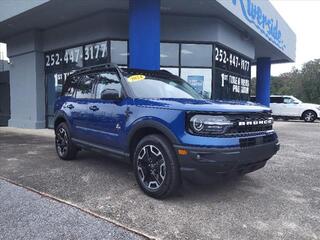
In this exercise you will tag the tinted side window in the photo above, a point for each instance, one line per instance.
(107, 80)
(276, 100)
(85, 87)
(69, 87)
(272, 100)
(288, 100)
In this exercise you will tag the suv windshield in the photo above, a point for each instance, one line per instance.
(146, 85)
(296, 100)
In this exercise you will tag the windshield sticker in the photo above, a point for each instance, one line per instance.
(135, 78)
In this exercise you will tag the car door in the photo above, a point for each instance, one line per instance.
(107, 116)
(70, 87)
(291, 108)
(79, 107)
(276, 105)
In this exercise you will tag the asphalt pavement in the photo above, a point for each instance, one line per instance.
(280, 201)
(28, 215)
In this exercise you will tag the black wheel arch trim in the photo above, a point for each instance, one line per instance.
(59, 115)
(152, 124)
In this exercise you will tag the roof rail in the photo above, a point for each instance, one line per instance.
(95, 67)
(115, 66)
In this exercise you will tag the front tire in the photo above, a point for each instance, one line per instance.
(65, 148)
(309, 116)
(156, 167)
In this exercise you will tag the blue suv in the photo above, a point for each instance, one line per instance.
(160, 124)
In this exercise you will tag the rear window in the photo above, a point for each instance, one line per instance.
(79, 86)
(84, 87)
(107, 80)
(69, 87)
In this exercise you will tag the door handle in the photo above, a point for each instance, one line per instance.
(70, 106)
(94, 108)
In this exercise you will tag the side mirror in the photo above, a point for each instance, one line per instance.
(294, 102)
(110, 94)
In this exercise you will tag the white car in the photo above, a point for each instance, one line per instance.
(288, 107)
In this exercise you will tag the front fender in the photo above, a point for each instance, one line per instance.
(155, 123)
(61, 114)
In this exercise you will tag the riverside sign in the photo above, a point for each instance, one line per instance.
(265, 24)
(264, 20)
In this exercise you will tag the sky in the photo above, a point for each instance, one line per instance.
(303, 16)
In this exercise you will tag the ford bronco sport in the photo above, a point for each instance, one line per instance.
(160, 124)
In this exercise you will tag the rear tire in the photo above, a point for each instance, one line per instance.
(156, 166)
(309, 116)
(65, 148)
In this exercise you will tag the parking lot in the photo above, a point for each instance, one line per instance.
(280, 201)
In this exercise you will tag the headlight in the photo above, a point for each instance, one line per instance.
(318, 107)
(208, 125)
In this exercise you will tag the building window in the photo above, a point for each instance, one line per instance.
(200, 79)
(119, 52)
(72, 57)
(169, 54)
(96, 53)
(196, 55)
(192, 62)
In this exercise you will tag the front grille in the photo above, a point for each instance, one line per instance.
(247, 124)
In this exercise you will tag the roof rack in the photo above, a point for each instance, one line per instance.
(95, 67)
(148, 72)
(120, 70)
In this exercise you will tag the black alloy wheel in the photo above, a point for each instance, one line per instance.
(156, 166)
(309, 116)
(65, 148)
(151, 167)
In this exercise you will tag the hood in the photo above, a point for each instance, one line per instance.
(201, 105)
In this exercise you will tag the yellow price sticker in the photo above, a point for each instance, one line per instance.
(135, 78)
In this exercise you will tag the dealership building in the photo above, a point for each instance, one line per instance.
(212, 44)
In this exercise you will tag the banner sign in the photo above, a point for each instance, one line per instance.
(196, 81)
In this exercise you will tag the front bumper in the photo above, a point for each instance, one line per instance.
(201, 163)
